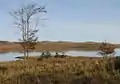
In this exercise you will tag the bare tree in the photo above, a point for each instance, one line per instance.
(106, 49)
(24, 20)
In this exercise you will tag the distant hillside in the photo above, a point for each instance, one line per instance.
(5, 42)
(6, 46)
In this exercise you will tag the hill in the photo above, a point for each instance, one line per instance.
(6, 46)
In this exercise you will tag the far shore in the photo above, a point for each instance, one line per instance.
(52, 46)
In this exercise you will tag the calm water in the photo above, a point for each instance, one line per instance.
(11, 55)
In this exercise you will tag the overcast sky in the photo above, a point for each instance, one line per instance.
(68, 20)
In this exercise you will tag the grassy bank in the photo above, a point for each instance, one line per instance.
(69, 70)
(52, 46)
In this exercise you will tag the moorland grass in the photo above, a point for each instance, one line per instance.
(68, 70)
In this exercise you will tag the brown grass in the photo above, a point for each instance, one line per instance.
(52, 46)
(70, 70)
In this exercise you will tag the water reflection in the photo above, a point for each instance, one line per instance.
(11, 55)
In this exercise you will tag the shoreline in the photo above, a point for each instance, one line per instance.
(54, 46)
